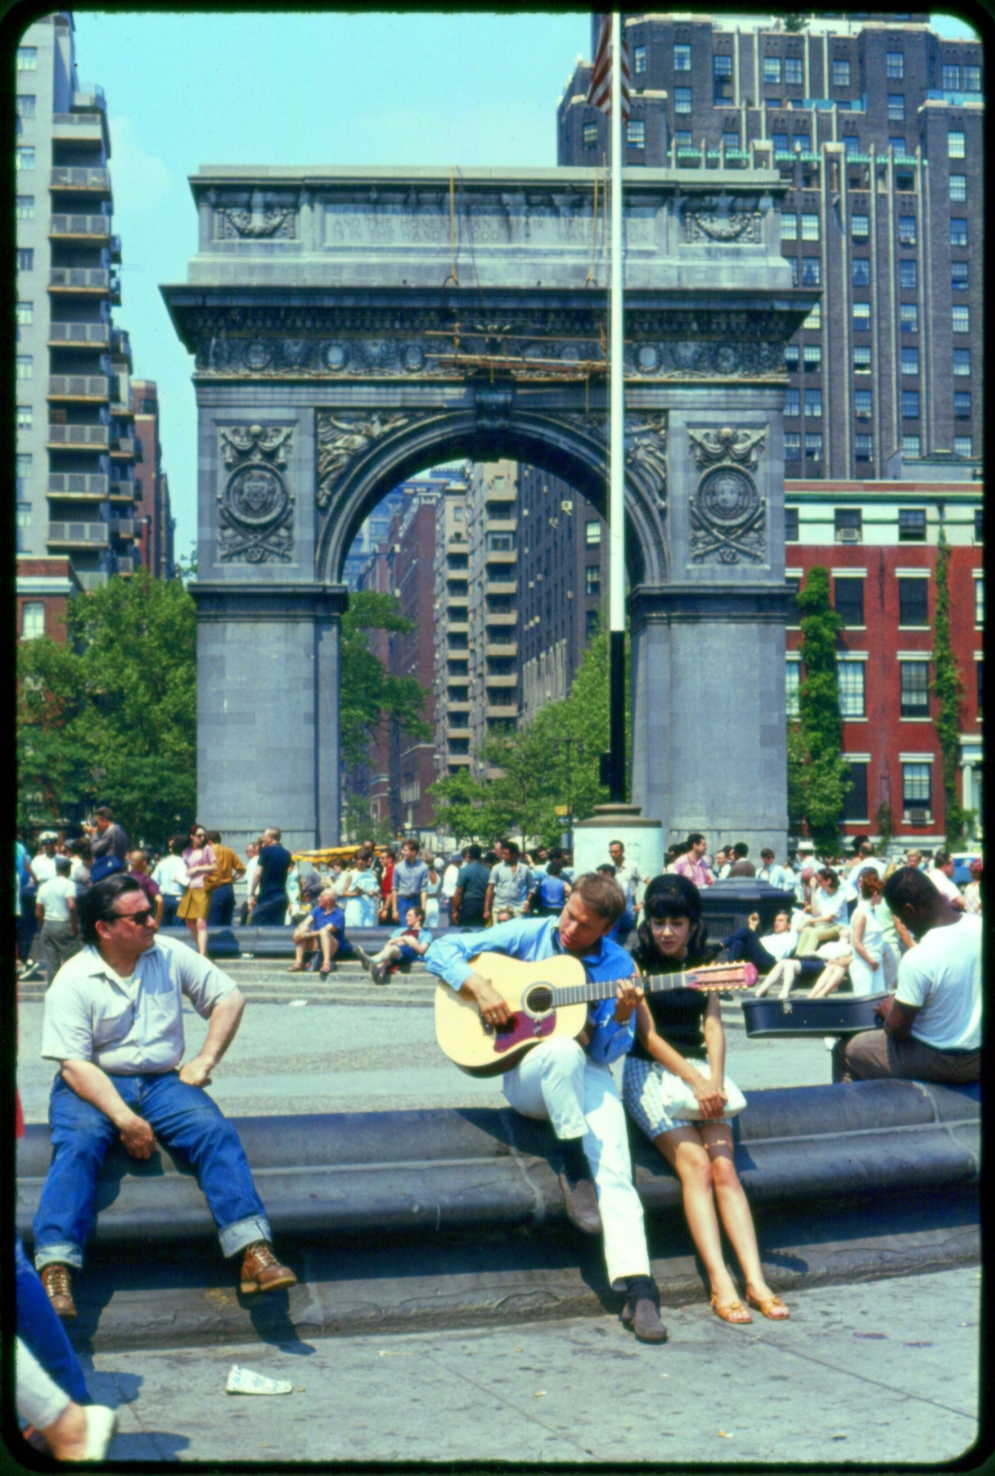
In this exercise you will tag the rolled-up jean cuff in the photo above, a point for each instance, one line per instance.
(63, 1255)
(240, 1233)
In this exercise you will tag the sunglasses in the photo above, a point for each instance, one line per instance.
(139, 918)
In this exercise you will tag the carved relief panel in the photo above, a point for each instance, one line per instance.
(256, 506)
(728, 521)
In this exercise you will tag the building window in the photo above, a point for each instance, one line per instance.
(811, 271)
(793, 612)
(772, 71)
(913, 602)
(813, 446)
(860, 227)
(850, 681)
(792, 447)
(730, 141)
(592, 580)
(27, 58)
(979, 599)
(792, 687)
(855, 800)
(851, 143)
(794, 270)
(25, 207)
(500, 542)
(25, 415)
(894, 65)
(909, 317)
(908, 274)
(792, 402)
(910, 360)
(972, 79)
(958, 276)
(841, 73)
(682, 138)
(791, 524)
(635, 133)
(791, 357)
(951, 77)
(963, 446)
(956, 144)
(916, 789)
(848, 600)
(958, 187)
(25, 158)
(32, 620)
(781, 142)
(25, 259)
(810, 226)
(848, 524)
(861, 359)
(592, 532)
(721, 65)
(911, 446)
(813, 358)
(789, 225)
(592, 622)
(862, 404)
(979, 525)
(962, 404)
(962, 362)
(861, 271)
(24, 512)
(896, 107)
(814, 320)
(25, 366)
(906, 230)
(961, 319)
(25, 314)
(682, 58)
(639, 60)
(590, 135)
(803, 143)
(682, 99)
(910, 404)
(794, 73)
(897, 146)
(914, 684)
(25, 105)
(912, 526)
(958, 231)
(863, 447)
(813, 403)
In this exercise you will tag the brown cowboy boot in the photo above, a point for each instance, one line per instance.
(261, 1271)
(57, 1281)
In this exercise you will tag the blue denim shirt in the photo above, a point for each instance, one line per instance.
(532, 939)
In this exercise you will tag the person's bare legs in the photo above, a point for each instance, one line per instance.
(831, 977)
(734, 1208)
(770, 979)
(329, 948)
(792, 969)
(685, 1151)
(201, 936)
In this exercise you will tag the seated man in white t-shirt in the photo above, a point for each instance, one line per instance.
(941, 875)
(932, 1023)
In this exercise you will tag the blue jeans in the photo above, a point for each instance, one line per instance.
(169, 906)
(39, 1327)
(184, 1118)
(222, 906)
(270, 911)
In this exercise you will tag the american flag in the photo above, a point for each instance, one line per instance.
(600, 92)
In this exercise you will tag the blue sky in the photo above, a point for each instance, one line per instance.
(370, 88)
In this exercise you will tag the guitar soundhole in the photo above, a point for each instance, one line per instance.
(539, 999)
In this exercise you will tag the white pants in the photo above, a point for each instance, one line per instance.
(40, 1401)
(557, 1083)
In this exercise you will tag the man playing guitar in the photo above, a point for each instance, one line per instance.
(568, 1082)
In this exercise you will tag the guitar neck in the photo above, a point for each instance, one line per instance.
(650, 983)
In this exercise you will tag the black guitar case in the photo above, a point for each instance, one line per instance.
(837, 1014)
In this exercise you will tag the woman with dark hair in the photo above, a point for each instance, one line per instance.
(680, 1052)
(199, 860)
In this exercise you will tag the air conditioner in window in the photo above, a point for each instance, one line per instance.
(848, 535)
(917, 817)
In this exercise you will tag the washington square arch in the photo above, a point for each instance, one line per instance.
(351, 327)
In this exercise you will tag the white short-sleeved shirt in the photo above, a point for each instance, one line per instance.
(831, 904)
(947, 889)
(134, 1026)
(52, 895)
(941, 978)
(43, 867)
(170, 876)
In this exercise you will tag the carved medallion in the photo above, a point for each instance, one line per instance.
(728, 515)
(256, 514)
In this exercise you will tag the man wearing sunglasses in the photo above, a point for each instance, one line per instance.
(114, 1024)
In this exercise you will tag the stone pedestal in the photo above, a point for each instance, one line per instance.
(642, 839)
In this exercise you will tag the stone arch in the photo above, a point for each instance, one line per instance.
(569, 445)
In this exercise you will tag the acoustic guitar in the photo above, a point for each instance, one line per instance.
(547, 999)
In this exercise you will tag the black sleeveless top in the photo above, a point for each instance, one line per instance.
(678, 1014)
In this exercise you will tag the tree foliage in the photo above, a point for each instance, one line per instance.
(110, 717)
(369, 696)
(552, 761)
(818, 778)
(948, 690)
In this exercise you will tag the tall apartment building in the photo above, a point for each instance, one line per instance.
(493, 504)
(154, 523)
(451, 626)
(75, 451)
(877, 123)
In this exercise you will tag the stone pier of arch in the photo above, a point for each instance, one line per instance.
(331, 313)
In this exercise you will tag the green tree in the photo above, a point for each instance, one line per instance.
(796, 21)
(111, 716)
(369, 696)
(818, 778)
(948, 690)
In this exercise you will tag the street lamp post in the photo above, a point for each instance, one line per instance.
(568, 745)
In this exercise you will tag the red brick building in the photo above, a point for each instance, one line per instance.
(878, 540)
(43, 586)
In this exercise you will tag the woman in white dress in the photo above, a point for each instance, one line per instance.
(867, 967)
(361, 894)
(432, 888)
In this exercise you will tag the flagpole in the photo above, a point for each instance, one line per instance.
(616, 500)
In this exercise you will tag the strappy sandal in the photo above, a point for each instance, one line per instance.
(771, 1307)
(726, 1311)
(297, 969)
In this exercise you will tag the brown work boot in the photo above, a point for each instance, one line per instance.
(56, 1279)
(261, 1271)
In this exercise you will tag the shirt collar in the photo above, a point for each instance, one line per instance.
(558, 947)
(96, 965)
